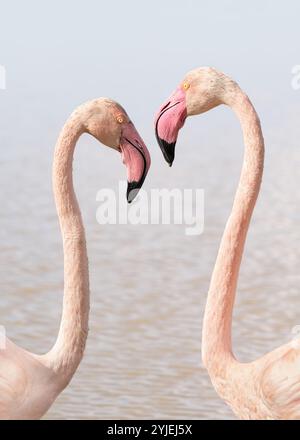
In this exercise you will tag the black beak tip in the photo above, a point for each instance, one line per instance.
(132, 190)
(168, 150)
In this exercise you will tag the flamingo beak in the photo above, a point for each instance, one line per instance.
(136, 158)
(168, 121)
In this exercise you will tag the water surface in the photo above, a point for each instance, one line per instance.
(148, 283)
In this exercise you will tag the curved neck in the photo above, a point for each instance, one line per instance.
(69, 347)
(216, 336)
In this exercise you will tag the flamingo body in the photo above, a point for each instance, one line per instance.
(29, 383)
(269, 387)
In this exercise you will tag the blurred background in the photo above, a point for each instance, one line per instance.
(148, 283)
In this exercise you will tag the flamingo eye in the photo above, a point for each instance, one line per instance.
(120, 119)
(185, 85)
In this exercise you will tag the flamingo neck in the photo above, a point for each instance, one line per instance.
(216, 336)
(67, 352)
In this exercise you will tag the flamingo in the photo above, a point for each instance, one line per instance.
(29, 383)
(269, 387)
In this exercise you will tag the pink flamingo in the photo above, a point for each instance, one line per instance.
(269, 387)
(29, 383)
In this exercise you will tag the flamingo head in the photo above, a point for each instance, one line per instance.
(109, 123)
(199, 92)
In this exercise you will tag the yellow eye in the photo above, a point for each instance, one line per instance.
(185, 85)
(120, 119)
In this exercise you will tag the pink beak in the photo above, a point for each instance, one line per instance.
(168, 121)
(136, 157)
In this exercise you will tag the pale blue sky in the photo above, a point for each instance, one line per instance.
(60, 53)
